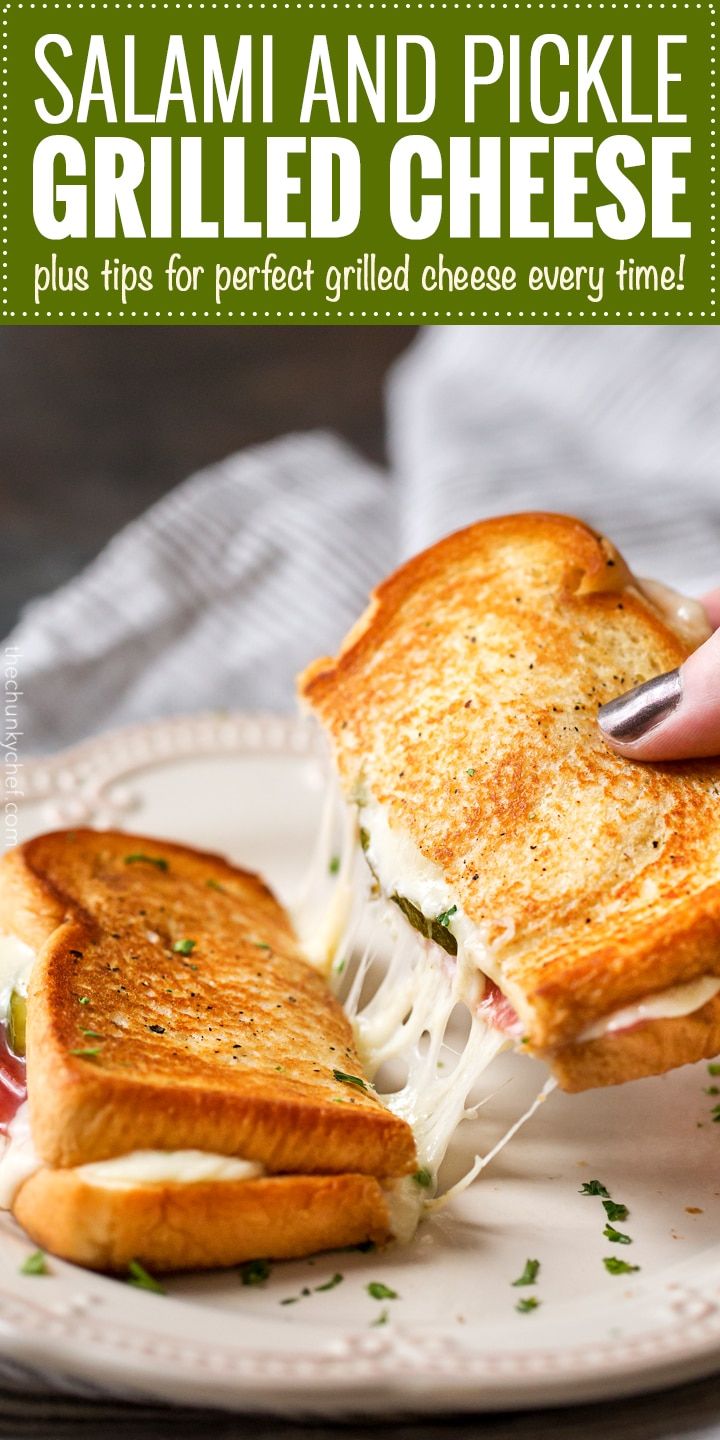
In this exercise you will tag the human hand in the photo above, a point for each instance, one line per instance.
(674, 716)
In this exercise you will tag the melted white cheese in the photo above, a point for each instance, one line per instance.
(18, 1157)
(670, 1004)
(19, 1160)
(16, 962)
(166, 1167)
(402, 992)
(686, 617)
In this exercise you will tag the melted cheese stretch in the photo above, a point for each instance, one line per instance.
(402, 869)
(417, 987)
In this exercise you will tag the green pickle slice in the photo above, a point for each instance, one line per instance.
(17, 1021)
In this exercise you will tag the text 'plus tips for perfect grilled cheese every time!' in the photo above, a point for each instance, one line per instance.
(359, 165)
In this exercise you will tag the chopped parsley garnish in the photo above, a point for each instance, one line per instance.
(529, 1274)
(382, 1318)
(215, 885)
(528, 1303)
(261, 945)
(714, 1067)
(364, 838)
(142, 1279)
(334, 865)
(614, 1266)
(90, 1053)
(35, 1264)
(92, 1035)
(340, 964)
(377, 1291)
(431, 929)
(349, 1079)
(184, 947)
(140, 859)
(712, 1089)
(255, 1272)
(593, 1187)
(336, 1279)
(615, 1212)
(616, 1236)
(293, 1299)
(423, 1178)
(84, 1000)
(445, 916)
(471, 771)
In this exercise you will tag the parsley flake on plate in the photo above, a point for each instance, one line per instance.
(330, 1284)
(530, 1273)
(382, 1318)
(255, 1272)
(377, 1291)
(615, 1211)
(528, 1303)
(615, 1266)
(35, 1264)
(142, 1279)
(593, 1187)
(616, 1236)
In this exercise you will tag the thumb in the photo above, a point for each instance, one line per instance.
(671, 717)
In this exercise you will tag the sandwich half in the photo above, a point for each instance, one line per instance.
(178, 1086)
(573, 895)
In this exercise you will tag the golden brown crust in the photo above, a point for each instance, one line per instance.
(201, 1226)
(230, 1048)
(466, 700)
(649, 1049)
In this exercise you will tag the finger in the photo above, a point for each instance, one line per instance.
(672, 717)
(711, 602)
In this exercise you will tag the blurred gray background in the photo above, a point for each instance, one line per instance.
(96, 424)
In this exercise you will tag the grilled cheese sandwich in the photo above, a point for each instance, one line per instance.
(571, 897)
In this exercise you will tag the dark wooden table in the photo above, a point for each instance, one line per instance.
(95, 424)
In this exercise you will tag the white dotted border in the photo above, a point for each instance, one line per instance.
(405, 315)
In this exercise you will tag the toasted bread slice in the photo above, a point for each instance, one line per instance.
(170, 1008)
(464, 703)
(201, 1226)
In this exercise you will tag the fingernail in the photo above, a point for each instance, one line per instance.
(633, 715)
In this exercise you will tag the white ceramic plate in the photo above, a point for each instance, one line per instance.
(252, 787)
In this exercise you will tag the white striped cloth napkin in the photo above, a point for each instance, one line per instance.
(227, 587)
